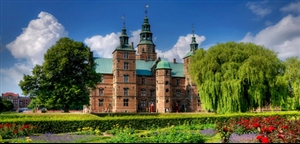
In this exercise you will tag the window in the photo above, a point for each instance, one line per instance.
(167, 101)
(152, 101)
(167, 90)
(102, 78)
(143, 92)
(143, 80)
(199, 102)
(167, 72)
(100, 102)
(188, 92)
(100, 90)
(178, 81)
(152, 93)
(126, 55)
(148, 58)
(167, 82)
(143, 50)
(126, 65)
(143, 103)
(178, 93)
(126, 91)
(126, 78)
(125, 102)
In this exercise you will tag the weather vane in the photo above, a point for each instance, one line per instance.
(146, 9)
(193, 28)
(123, 17)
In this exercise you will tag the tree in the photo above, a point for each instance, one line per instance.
(8, 105)
(292, 76)
(1, 105)
(65, 76)
(238, 77)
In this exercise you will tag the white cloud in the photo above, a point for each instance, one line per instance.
(292, 7)
(40, 35)
(31, 45)
(15, 74)
(103, 46)
(268, 23)
(135, 37)
(181, 48)
(259, 8)
(283, 37)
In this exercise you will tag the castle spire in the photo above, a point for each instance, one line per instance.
(124, 37)
(194, 44)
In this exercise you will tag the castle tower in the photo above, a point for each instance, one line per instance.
(192, 101)
(124, 76)
(163, 87)
(146, 47)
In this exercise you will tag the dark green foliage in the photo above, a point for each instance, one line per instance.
(292, 77)
(62, 81)
(6, 105)
(238, 77)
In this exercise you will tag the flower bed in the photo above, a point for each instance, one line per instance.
(272, 129)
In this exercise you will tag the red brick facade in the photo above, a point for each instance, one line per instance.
(18, 102)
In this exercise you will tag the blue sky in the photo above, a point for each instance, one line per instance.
(29, 28)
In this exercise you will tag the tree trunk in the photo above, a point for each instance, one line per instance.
(66, 108)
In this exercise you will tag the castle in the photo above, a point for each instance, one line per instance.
(138, 81)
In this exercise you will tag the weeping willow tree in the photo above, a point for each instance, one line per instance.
(238, 77)
(292, 76)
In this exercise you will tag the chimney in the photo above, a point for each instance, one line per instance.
(132, 45)
(174, 60)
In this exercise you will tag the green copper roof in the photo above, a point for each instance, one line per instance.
(163, 64)
(104, 66)
(190, 53)
(126, 47)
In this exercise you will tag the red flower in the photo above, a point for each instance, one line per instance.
(255, 125)
(259, 137)
(15, 131)
(284, 127)
(271, 128)
(280, 136)
(26, 126)
(225, 129)
(1, 126)
(21, 128)
(7, 125)
(265, 140)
